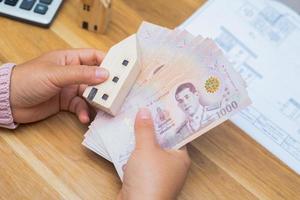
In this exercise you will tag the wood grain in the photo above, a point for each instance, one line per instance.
(46, 160)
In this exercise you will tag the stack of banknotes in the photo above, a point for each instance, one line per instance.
(186, 82)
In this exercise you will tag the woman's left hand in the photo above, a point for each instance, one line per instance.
(53, 82)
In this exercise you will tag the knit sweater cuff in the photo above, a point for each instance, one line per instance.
(6, 118)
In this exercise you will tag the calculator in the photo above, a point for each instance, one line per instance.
(38, 12)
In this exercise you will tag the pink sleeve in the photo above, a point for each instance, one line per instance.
(6, 118)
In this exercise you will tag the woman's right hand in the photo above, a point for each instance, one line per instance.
(152, 172)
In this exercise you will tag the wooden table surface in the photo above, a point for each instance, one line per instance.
(46, 160)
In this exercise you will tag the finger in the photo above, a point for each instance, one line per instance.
(144, 130)
(185, 155)
(84, 57)
(184, 151)
(62, 76)
(81, 89)
(79, 107)
(92, 111)
(183, 148)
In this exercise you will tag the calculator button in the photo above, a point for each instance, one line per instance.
(41, 9)
(11, 2)
(46, 1)
(27, 4)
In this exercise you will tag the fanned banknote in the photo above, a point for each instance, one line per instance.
(186, 82)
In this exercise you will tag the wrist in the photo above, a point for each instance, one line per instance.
(6, 118)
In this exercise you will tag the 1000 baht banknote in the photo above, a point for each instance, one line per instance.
(188, 85)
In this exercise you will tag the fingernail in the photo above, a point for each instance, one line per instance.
(144, 113)
(101, 73)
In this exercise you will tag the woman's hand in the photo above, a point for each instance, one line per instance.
(151, 172)
(54, 82)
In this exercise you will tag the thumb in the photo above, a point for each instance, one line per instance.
(144, 130)
(63, 76)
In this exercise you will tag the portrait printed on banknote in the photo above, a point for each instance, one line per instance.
(186, 114)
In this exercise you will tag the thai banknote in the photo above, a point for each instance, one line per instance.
(186, 82)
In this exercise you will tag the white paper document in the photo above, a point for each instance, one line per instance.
(262, 40)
